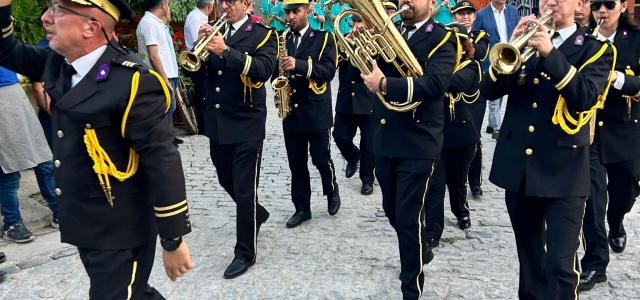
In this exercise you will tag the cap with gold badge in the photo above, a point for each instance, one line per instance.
(460, 5)
(293, 4)
(117, 9)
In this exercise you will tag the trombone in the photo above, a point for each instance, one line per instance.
(506, 58)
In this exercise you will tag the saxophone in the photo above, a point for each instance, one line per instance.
(281, 84)
(269, 18)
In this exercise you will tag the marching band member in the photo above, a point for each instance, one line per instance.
(354, 109)
(407, 144)
(392, 6)
(277, 11)
(316, 17)
(541, 157)
(311, 61)
(108, 110)
(614, 153)
(237, 67)
(465, 13)
(459, 146)
(337, 8)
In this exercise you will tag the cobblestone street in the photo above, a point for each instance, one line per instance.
(353, 255)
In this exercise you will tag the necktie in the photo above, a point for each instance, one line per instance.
(296, 39)
(69, 71)
(232, 30)
(555, 35)
(405, 34)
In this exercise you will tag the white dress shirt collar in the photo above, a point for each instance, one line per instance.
(564, 34)
(237, 25)
(84, 64)
(495, 10)
(611, 38)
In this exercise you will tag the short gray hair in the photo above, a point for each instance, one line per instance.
(204, 3)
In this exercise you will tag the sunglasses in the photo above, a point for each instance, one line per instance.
(595, 6)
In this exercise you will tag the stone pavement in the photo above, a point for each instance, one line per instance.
(353, 255)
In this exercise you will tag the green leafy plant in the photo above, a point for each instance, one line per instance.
(26, 24)
(181, 8)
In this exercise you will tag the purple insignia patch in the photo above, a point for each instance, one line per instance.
(579, 40)
(103, 72)
(311, 34)
(249, 27)
(429, 28)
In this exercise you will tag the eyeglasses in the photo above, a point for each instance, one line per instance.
(595, 6)
(56, 10)
(228, 2)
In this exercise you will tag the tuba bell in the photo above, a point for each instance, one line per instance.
(385, 41)
(506, 58)
(191, 61)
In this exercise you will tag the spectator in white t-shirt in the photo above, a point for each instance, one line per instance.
(154, 40)
(195, 19)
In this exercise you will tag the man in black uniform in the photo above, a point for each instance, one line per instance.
(311, 63)
(102, 94)
(615, 156)
(354, 109)
(235, 114)
(541, 158)
(407, 144)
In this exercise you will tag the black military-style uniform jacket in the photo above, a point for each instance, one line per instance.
(311, 111)
(459, 129)
(417, 134)
(618, 124)
(354, 98)
(154, 199)
(236, 112)
(531, 148)
(480, 41)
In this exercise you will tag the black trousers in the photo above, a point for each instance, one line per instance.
(622, 189)
(344, 131)
(404, 184)
(120, 274)
(238, 169)
(318, 144)
(550, 274)
(451, 172)
(478, 109)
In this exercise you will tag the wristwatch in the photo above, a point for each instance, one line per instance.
(225, 52)
(171, 245)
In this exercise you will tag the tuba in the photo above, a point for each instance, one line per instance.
(506, 58)
(191, 61)
(385, 41)
(281, 84)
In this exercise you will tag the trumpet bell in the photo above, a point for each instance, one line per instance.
(506, 57)
(189, 61)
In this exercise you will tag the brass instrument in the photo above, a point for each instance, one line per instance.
(506, 58)
(386, 41)
(269, 18)
(326, 7)
(191, 61)
(281, 84)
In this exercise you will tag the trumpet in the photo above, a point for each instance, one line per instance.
(192, 61)
(506, 58)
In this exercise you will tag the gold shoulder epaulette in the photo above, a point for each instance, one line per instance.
(126, 63)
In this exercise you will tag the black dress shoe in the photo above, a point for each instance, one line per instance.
(489, 129)
(261, 221)
(367, 189)
(588, 279)
(427, 255)
(351, 169)
(3, 257)
(464, 223)
(237, 268)
(333, 203)
(177, 141)
(618, 244)
(298, 218)
(476, 191)
(433, 243)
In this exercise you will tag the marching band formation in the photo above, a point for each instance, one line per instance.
(413, 83)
